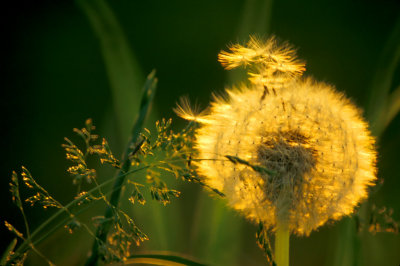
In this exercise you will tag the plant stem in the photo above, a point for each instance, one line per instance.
(22, 248)
(282, 244)
(102, 231)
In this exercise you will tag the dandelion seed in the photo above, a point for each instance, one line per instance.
(192, 113)
(270, 64)
(312, 137)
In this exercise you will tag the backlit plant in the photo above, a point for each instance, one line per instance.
(289, 153)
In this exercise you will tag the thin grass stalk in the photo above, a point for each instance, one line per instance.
(69, 206)
(22, 248)
(147, 98)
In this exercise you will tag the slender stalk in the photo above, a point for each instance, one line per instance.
(102, 231)
(23, 246)
(45, 225)
(282, 244)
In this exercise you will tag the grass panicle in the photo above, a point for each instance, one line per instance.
(164, 153)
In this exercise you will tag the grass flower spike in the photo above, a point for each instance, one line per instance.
(315, 146)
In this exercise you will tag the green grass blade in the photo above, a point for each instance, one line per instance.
(145, 104)
(160, 259)
(256, 18)
(7, 252)
(144, 109)
(346, 242)
(393, 106)
(123, 71)
(382, 82)
(122, 68)
(125, 78)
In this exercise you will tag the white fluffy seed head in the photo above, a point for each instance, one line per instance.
(310, 135)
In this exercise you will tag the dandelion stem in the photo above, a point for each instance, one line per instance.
(282, 244)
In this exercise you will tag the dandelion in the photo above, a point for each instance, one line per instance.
(312, 139)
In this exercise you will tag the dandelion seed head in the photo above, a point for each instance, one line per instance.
(310, 135)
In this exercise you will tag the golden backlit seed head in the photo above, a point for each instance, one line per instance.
(310, 135)
(269, 64)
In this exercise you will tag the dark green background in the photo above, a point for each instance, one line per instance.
(54, 77)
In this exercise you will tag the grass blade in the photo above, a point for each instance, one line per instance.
(7, 252)
(122, 68)
(125, 76)
(160, 259)
(393, 106)
(145, 104)
(382, 83)
(255, 18)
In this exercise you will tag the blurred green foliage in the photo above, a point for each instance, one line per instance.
(55, 75)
